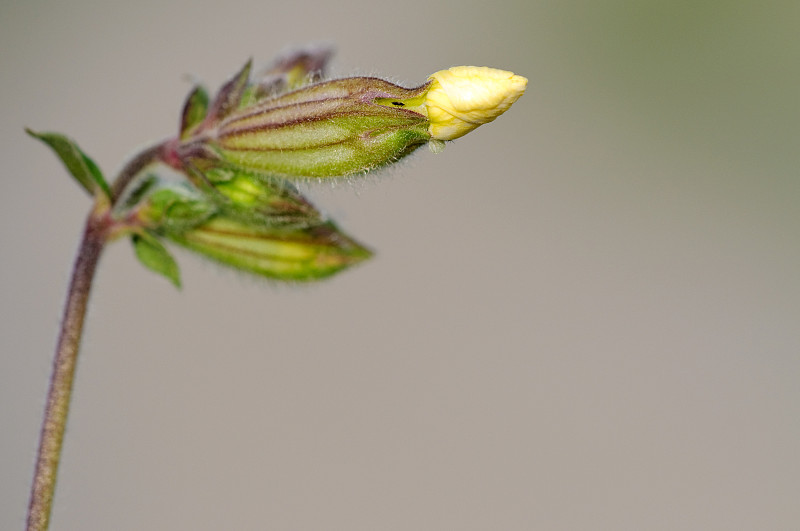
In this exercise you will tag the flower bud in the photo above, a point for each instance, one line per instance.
(255, 225)
(307, 253)
(463, 97)
(335, 128)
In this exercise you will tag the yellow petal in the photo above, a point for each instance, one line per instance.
(463, 97)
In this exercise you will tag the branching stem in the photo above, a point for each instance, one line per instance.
(134, 166)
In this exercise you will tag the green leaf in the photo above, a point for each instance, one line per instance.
(154, 256)
(194, 111)
(76, 161)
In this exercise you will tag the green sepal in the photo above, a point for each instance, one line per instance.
(287, 254)
(155, 257)
(194, 111)
(265, 201)
(250, 96)
(174, 208)
(79, 165)
(293, 70)
(230, 94)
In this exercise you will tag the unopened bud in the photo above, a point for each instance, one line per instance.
(255, 225)
(340, 127)
(307, 253)
(463, 97)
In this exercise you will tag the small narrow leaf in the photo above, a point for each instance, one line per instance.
(194, 111)
(299, 65)
(154, 256)
(230, 95)
(79, 165)
(293, 70)
(97, 175)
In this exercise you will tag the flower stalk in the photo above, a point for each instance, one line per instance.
(64, 363)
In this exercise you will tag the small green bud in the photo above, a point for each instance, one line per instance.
(261, 226)
(174, 207)
(270, 202)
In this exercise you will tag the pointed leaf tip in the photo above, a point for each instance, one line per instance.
(78, 164)
(230, 94)
(194, 111)
(155, 257)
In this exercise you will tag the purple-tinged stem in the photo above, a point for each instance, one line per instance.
(58, 396)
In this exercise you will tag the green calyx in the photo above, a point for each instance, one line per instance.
(259, 226)
(358, 152)
(331, 129)
(300, 254)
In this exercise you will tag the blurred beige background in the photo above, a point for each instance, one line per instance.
(582, 316)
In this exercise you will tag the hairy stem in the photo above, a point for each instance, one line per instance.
(156, 153)
(95, 233)
(58, 396)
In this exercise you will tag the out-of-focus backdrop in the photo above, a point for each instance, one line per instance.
(585, 315)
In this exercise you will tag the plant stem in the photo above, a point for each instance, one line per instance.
(135, 166)
(95, 235)
(58, 396)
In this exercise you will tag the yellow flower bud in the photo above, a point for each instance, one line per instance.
(463, 97)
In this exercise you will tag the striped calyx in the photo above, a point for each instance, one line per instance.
(335, 128)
